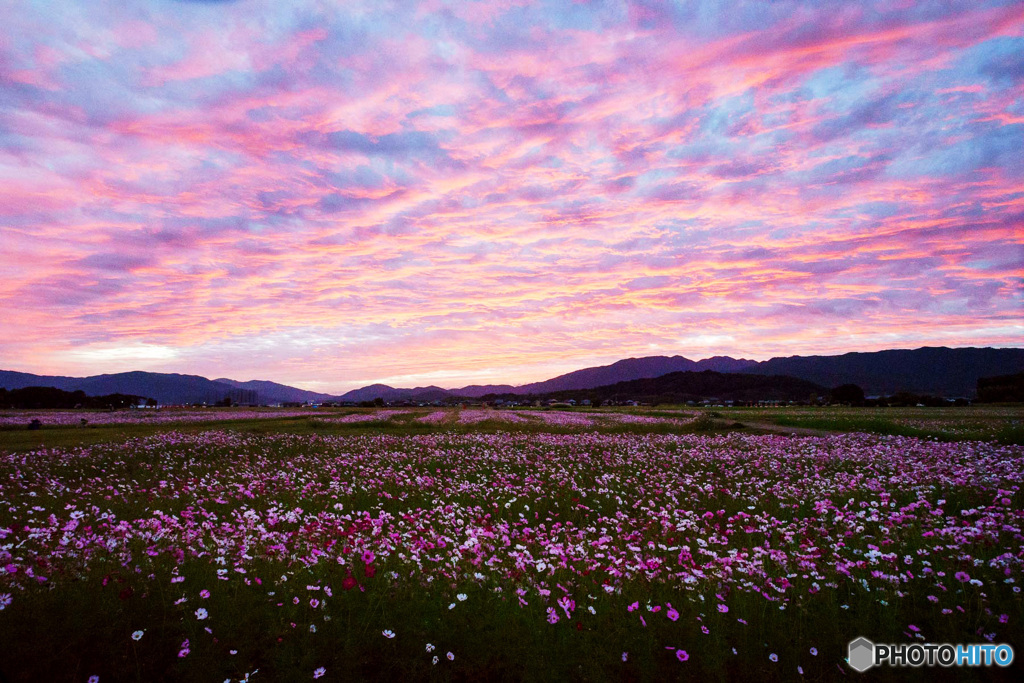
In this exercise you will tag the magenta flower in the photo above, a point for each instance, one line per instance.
(682, 655)
(723, 608)
(317, 673)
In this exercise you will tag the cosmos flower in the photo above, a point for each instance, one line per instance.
(388, 633)
(318, 672)
(137, 635)
(682, 655)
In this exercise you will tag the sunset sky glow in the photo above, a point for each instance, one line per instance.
(329, 194)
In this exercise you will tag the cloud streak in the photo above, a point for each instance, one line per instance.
(504, 190)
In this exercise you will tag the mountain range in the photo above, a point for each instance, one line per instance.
(939, 371)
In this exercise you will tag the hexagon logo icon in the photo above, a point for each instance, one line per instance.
(862, 654)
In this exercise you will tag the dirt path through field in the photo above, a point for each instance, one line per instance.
(782, 429)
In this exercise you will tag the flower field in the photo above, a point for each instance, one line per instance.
(225, 555)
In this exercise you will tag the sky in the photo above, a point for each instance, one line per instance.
(329, 194)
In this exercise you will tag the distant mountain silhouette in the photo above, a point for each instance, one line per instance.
(387, 393)
(272, 392)
(939, 371)
(695, 386)
(165, 388)
(630, 369)
(478, 390)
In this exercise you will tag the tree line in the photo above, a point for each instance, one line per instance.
(31, 398)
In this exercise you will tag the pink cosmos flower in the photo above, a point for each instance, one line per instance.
(319, 672)
(723, 608)
(682, 655)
